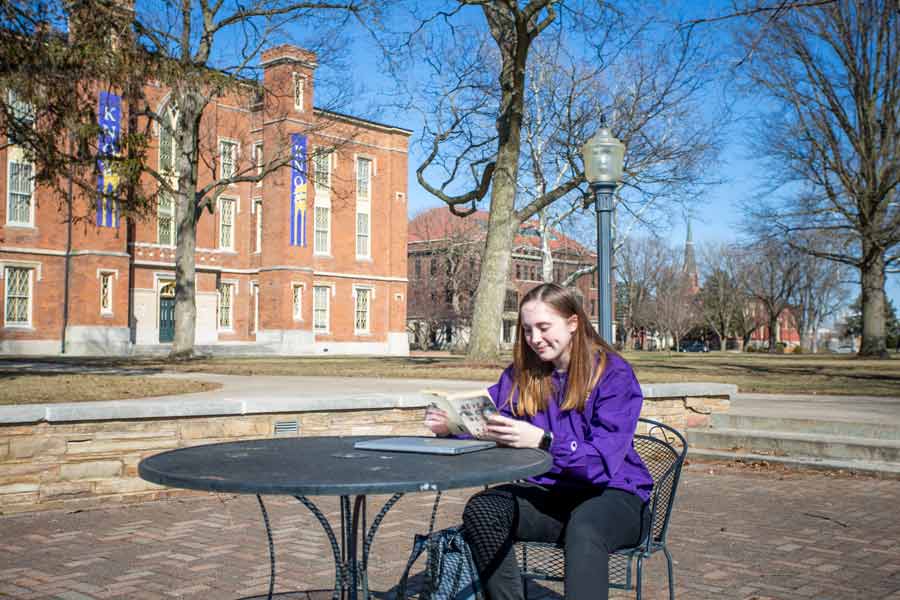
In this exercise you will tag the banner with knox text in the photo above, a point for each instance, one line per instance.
(108, 117)
(298, 190)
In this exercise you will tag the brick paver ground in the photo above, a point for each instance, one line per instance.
(738, 532)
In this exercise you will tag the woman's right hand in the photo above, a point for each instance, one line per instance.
(437, 421)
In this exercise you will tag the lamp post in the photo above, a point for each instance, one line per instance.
(604, 156)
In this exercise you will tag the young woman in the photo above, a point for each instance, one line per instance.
(569, 393)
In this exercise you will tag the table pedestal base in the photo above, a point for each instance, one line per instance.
(351, 558)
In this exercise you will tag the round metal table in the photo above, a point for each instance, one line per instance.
(331, 466)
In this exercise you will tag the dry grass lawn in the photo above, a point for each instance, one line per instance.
(790, 374)
(49, 388)
(793, 374)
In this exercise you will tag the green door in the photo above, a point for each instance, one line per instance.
(167, 313)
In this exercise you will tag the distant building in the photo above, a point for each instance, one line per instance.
(444, 256)
(786, 331)
(319, 266)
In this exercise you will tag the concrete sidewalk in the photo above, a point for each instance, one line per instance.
(859, 409)
(737, 533)
(856, 409)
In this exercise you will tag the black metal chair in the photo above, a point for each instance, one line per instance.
(662, 449)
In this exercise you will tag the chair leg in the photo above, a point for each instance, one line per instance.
(640, 568)
(671, 573)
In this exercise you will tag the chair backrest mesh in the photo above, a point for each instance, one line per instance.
(660, 452)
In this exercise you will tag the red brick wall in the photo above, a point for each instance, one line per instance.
(236, 117)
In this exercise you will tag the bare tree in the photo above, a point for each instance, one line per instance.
(445, 251)
(830, 74)
(476, 99)
(772, 281)
(673, 308)
(639, 261)
(50, 83)
(721, 296)
(821, 291)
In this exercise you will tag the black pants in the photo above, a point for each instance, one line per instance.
(590, 525)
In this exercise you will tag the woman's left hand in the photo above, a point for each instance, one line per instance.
(513, 433)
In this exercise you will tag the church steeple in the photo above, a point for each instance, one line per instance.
(690, 261)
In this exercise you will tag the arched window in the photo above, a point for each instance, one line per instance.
(165, 209)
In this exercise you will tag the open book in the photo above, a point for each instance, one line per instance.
(467, 411)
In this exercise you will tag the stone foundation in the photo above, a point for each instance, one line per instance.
(68, 457)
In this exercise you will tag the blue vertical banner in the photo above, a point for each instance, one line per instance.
(109, 119)
(298, 190)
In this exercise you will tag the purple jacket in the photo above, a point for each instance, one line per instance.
(592, 448)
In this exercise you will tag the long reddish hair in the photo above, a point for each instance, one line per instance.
(587, 356)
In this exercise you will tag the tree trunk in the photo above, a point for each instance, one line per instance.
(185, 276)
(814, 338)
(546, 252)
(489, 297)
(186, 215)
(773, 328)
(873, 321)
(503, 221)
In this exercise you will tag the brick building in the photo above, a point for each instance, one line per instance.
(281, 267)
(786, 331)
(444, 261)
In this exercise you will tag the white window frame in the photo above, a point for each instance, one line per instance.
(234, 212)
(21, 110)
(366, 196)
(169, 214)
(257, 208)
(258, 160)
(297, 289)
(17, 159)
(370, 292)
(113, 275)
(30, 298)
(223, 143)
(329, 291)
(366, 253)
(323, 158)
(323, 249)
(254, 295)
(363, 206)
(234, 292)
(298, 91)
(170, 114)
(322, 203)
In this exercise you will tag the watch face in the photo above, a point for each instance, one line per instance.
(546, 440)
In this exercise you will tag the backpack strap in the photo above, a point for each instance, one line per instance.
(419, 544)
(434, 510)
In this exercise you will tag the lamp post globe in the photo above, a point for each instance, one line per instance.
(604, 158)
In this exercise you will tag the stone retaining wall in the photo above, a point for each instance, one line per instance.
(60, 462)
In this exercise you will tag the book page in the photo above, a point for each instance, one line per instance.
(467, 412)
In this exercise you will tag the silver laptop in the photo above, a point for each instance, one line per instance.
(426, 445)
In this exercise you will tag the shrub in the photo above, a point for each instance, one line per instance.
(798, 349)
(750, 348)
(780, 347)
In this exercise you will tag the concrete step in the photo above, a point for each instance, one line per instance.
(882, 469)
(879, 431)
(793, 443)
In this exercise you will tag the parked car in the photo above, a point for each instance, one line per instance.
(693, 347)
